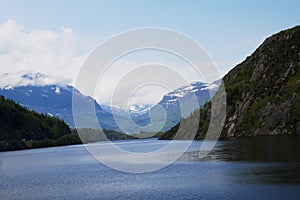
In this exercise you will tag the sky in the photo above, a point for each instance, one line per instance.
(55, 37)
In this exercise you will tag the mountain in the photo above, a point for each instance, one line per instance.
(172, 103)
(136, 110)
(203, 92)
(18, 125)
(263, 92)
(56, 101)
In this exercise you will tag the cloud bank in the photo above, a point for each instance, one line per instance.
(24, 52)
(43, 57)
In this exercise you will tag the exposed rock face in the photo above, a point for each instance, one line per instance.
(263, 92)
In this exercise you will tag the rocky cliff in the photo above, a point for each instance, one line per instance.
(263, 92)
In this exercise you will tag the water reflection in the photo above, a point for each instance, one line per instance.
(261, 160)
(259, 149)
(252, 168)
(287, 174)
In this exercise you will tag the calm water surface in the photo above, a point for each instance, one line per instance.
(249, 168)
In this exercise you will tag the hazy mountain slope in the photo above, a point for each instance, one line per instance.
(56, 101)
(172, 102)
(263, 92)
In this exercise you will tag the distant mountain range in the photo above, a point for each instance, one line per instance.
(176, 104)
(55, 100)
(202, 91)
(137, 110)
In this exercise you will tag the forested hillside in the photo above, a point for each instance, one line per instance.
(19, 126)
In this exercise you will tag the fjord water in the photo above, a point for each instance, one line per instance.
(249, 168)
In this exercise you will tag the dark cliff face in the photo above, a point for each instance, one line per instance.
(263, 92)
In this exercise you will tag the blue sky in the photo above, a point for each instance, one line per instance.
(228, 30)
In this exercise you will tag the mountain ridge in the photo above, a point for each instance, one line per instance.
(56, 100)
(263, 91)
(176, 104)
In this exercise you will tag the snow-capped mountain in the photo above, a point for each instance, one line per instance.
(136, 109)
(56, 101)
(53, 96)
(132, 109)
(172, 103)
(203, 91)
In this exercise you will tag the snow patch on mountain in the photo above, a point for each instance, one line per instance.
(9, 87)
(139, 109)
(57, 90)
(210, 87)
(193, 88)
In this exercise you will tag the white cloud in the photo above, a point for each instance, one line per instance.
(143, 77)
(30, 51)
(57, 57)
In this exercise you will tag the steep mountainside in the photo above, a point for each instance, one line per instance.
(184, 93)
(19, 124)
(172, 103)
(263, 92)
(56, 101)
